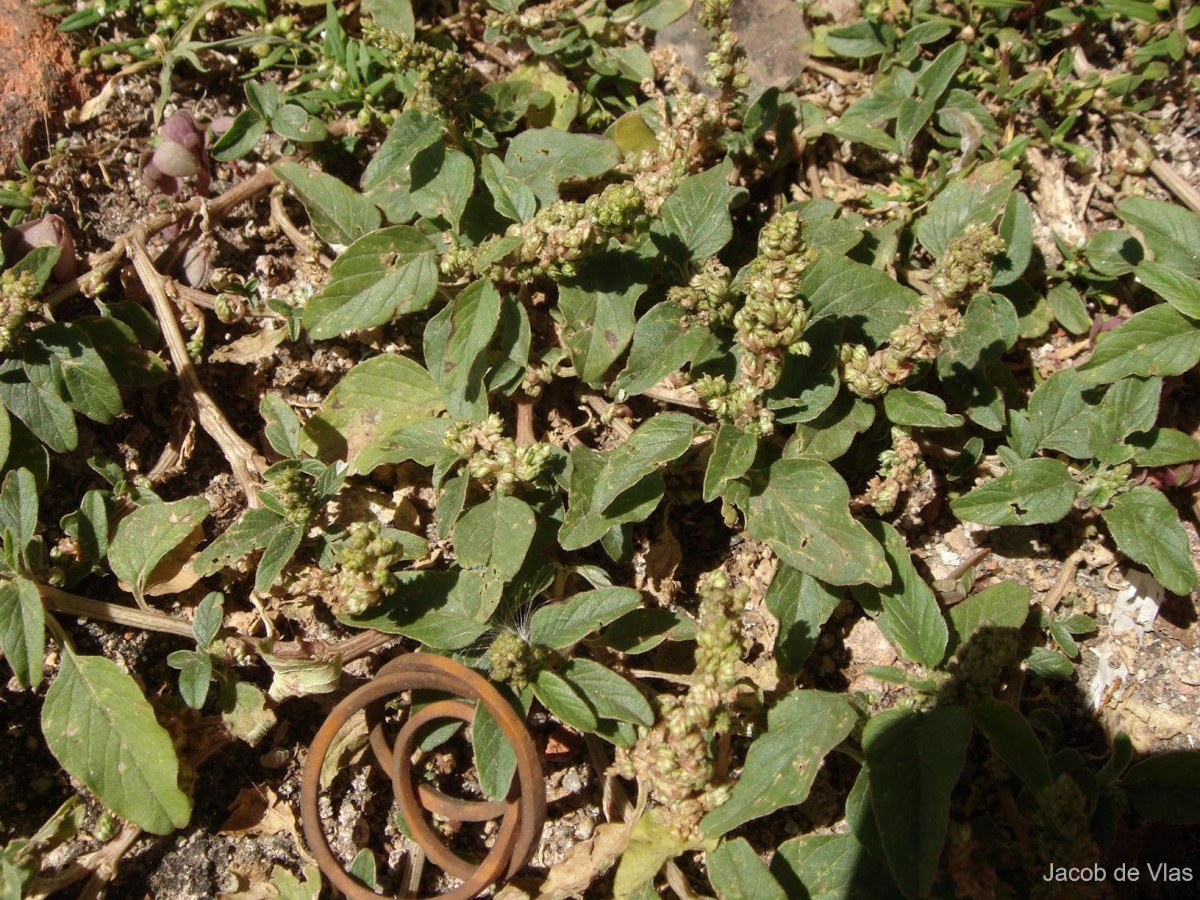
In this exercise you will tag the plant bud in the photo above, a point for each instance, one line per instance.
(48, 231)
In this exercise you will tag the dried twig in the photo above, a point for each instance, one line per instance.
(285, 224)
(526, 432)
(1066, 578)
(243, 459)
(604, 409)
(58, 600)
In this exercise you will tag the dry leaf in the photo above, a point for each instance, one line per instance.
(250, 348)
(585, 862)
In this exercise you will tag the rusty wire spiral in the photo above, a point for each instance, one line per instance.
(521, 813)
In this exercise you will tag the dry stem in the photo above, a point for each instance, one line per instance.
(243, 460)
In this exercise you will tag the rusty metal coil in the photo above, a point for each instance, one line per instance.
(521, 813)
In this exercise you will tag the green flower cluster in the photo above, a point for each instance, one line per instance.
(493, 459)
(966, 266)
(441, 76)
(554, 241)
(899, 468)
(726, 61)
(739, 403)
(774, 315)
(1062, 823)
(964, 270)
(18, 298)
(365, 560)
(1108, 481)
(978, 664)
(168, 15)
(707, 295)
(296, 492)
(677, 758)
(515, 661)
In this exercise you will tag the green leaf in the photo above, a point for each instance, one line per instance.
(543, 158)
(1147, 529)
(251, 532)
(1069, 308)
(782, 763)
(911, 618)
(387, 180)
(915, 759)
(802, 604)
(148, 534)
(563, 700)
(281, 547)
(829, 435)
(45, 413)
(830, 867)
(1172, 233)
(980, 197)
(513, 199)
(1069, 414)
(247, 128)
(474, 315)
(608, 694)
(641, 630)
(1059, 413)
(732, 455)
(561, 624)
(802, 512)
(495, 533)
(444, 610)
(5, 435)
(376, 398)
(394, 15)
(660, 346)
(450, 504)
(988, 328)
(1049, 663)
(208, 619)
(22, 630)
(660, 439)
(195, 675)
(695, 218)
(1166, 788)
(1033, 492)
(442, 180)
(1113, 253)
(1017, 230)
(1014, 741)
(1181, 292)
(586, 522)
(858, 41)
(19, 506)
(293, 121)
(283, 428)
(381, 275)
(103, 732)
(1156, 341)
(495, 759)
(60, 359)
(737, 873)
(1003, 605)
(931, 84)
(651, 845)
(917, 409)
(1164, 447)
(598, 312)
(870, 302)
(339, 214)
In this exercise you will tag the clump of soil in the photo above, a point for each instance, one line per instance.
(38, 79)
